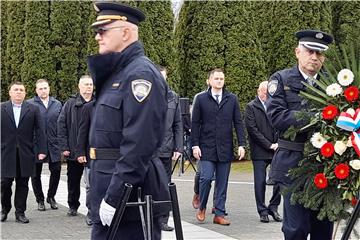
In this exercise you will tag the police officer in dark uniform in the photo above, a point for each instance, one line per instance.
(282, 105)
(127, 125)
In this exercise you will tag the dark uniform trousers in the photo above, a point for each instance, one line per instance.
(300, 221)
(21, 191)
(260, 166)
(74, 173)
(167, 162)
(55, 171)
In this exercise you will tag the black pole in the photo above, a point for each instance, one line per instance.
(149, 216)
(352, 221)
(114, 226)
(176, 211)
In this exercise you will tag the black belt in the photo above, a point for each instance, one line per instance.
(293, 146)
(104, 153)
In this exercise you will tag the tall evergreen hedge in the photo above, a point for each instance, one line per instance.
(66, 36)
(3, 13)
(37, 57)
(13, 56)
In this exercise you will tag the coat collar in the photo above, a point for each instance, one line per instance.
(258, 104)
(102, 66)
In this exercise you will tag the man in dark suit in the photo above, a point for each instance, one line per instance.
(19, 122)
(262, 140)
(49, 110)
(215, 112)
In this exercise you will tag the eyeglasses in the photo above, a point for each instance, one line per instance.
(102, 30)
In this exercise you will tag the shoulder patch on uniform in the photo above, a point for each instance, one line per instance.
(140, 89)
(272, 86)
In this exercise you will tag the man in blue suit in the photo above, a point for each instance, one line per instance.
(215, 113)
(50, 109)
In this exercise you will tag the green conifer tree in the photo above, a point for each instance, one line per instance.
(13, 52)
(66, 37)
(3, 77)
(37, 56)
(244, 63)
(203, 44)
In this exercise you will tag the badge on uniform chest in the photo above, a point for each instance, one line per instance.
(140, 89)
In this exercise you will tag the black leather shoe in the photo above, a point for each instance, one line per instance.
(264, 218)
(21, 218)
(41, 206)
(88, 220)
(167, 228)
(52, 202)
(72, 212)
(3, 216)
(276, 216)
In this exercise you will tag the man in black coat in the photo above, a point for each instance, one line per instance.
(128, 123)
(20, 121)
(49, 110)
(68, 126)
(263, 144)
(172, 144)
(215, 113)
(82, 152)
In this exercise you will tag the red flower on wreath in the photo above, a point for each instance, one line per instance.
(342, 171)
(351, 94)
(329, 112)
(354, 201)
(320, 181)
(327, 150)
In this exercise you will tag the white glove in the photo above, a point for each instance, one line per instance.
(106, 213)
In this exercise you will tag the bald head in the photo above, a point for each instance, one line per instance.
(86, 87)
(262, 90)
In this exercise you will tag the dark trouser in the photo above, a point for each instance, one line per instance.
(74, 173)
(21, 194)
(208, 169)
(127, 231)
(55, 170)
(21, 191)
(167, 162)
(299, 222)
(260, 166)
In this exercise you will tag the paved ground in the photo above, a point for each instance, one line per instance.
(54, 224)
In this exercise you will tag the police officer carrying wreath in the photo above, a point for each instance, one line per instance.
(128, 122)
(282, 105)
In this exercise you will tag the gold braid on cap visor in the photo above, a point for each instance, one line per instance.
(111, 17)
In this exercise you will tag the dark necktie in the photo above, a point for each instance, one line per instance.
(217, 98)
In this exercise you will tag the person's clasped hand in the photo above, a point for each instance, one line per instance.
(241, 152)
(106, 213)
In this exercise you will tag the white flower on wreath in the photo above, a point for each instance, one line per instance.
(317, 140)
(333, 90)
(345, 77)
(355, 164)
(340, 147)
(349, 142)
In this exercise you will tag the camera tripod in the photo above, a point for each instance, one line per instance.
(185, 156)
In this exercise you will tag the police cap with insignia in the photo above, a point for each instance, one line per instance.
(314, 40)
(111, 11)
